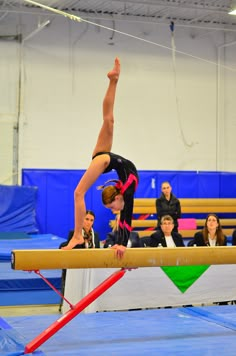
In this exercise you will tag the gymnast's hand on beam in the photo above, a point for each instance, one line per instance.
(119, 251)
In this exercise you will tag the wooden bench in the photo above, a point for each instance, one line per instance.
(145, 210)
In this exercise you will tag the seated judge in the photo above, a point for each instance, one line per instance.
(112, 237)
(234, 238)
(91, 239)
(211, 234)
(166, 237)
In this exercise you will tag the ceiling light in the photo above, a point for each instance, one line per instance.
(233, 8)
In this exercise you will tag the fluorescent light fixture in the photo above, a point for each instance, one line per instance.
(232, 7)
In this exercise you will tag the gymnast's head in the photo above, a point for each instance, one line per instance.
(112, 196)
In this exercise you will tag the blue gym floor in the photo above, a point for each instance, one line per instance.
(195, 331)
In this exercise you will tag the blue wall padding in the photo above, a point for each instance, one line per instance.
(17, 208)
(147, 184)
(209, 185)
(55, 200)
(227, 185)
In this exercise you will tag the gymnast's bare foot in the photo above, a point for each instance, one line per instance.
(115, 72)
(73, 242)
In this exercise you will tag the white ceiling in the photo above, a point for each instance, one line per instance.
(192, 13)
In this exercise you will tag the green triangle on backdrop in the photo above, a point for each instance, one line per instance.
(184, 276)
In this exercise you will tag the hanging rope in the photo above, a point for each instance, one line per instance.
(79, 19)
(172, 28)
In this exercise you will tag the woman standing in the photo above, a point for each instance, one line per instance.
(168, 204)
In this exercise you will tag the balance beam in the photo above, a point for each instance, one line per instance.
(133, 258)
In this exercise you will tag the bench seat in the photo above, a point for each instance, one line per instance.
(145, 209)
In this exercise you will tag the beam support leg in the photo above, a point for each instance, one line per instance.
(70, 314)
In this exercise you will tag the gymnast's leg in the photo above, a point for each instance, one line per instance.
(105, 137)
(99, 163)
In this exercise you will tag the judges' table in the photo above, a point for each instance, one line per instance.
(151, 287)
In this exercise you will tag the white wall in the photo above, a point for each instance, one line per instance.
(160, 124)
(9, 78)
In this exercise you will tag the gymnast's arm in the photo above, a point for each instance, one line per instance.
(126, 217)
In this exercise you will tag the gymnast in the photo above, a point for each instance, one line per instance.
(118, 196)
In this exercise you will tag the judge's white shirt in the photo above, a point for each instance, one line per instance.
(169, 241)
(212, 242)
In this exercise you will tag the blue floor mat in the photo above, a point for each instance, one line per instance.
(169, 332)
(24, 288)
(35, 242)
(14, 235)
(11, 342)
(14, 280)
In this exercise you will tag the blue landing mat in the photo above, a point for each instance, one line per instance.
(204, 331)
(35, 242)
(24, 288)
(11, 342)
(14, 280)
(14, 235)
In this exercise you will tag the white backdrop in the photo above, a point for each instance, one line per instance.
(187, 124)
(149, 288)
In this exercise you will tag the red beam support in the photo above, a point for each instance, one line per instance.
(70, 314)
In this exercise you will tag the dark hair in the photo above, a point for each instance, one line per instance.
(165, 182)
(219, 233)
(90, 212)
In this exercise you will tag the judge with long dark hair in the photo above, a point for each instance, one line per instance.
(211, 234)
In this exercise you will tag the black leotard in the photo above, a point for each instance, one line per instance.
(128, 175)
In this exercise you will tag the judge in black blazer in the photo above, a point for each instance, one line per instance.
(112, 238)
(234, 238)
(211, 234)
(166, 237)
(91, 239)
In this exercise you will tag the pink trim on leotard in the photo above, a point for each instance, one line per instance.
(132, 178)
(125, 225)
